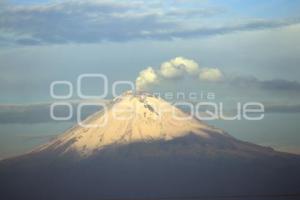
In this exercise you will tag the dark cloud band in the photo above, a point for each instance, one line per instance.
(271, 85)
(94, 22)
(38, 113)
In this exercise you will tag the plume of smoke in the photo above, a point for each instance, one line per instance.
(210, 74)
(178, 67)
(146, 77)
(174, 69)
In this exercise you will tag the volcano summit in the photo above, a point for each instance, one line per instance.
(131, 118)
(143, 147)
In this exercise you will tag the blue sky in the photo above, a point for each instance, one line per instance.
(42, 41)
(255, 45)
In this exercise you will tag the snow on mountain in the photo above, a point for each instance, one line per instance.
(132, 117)
(147, 149)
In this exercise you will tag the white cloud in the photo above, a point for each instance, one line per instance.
(210, 74)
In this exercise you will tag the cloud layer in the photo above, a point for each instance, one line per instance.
(180, 67)
(279, 85)
(40, 113)
(97, 21)
(282, 108)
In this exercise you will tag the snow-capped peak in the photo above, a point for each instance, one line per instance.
(132, 117)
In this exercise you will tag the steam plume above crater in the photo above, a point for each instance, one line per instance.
(176, 68)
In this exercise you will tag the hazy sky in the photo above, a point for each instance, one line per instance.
(255, 45)
(42, 41)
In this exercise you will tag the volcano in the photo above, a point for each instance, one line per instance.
(141, 146)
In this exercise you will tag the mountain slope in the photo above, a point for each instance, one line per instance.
(147, 153)
(131, 118)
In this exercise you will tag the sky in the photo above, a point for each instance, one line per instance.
(44, 41)
(254, 46)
